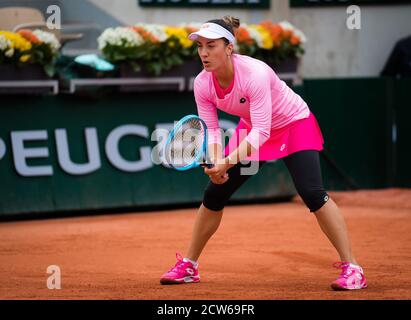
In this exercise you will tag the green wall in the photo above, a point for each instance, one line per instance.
(359, 118)
(108, 186)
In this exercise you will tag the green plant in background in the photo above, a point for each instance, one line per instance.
(271, 42)
(148, 47)
(154, 48)
(29, 47)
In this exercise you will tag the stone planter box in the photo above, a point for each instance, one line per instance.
(287, 70)
(9, 72)
(14, 79)
(287, 66)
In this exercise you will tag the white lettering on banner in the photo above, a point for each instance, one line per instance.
(148, 156)
(2, 149)
(160, 134)
(113, 153)
(21, 154)
(63, 153)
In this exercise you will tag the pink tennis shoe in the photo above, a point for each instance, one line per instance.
(351, 278)
(183, 272)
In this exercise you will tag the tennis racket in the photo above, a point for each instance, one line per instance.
(186, 146)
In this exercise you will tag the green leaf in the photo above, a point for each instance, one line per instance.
(49, 69)
(157, 68)
(135, 66)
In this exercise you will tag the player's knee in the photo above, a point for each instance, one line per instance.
(214, 198)
(313, 198)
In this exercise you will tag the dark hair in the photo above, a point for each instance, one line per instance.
(227, 22)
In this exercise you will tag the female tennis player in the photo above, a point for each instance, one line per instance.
(278, 124)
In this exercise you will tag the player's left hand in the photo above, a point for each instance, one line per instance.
(218, 174)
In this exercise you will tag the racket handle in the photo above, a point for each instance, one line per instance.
(207, 165)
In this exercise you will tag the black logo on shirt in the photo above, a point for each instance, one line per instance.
(242, 100)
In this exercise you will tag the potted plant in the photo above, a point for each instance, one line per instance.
(27, 55)
(149, 50)
(152, 50)
(280, 45)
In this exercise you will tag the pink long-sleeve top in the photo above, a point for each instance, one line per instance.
(258, 97)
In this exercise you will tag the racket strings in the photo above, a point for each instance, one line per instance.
(187, 143)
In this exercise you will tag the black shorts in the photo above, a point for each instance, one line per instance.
(304, 168)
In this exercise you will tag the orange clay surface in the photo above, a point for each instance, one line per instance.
(270, 251)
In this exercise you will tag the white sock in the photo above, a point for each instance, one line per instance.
(356, 266)
(194, 263)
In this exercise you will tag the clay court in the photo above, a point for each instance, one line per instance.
(270, 251)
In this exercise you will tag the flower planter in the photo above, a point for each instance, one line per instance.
(32, 72)
(10, 72)
(287, 70)
(289, 65)
(185, 71)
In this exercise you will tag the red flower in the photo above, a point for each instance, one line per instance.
(29, 36)
(145, 34)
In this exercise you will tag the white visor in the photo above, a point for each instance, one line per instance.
(211, 30)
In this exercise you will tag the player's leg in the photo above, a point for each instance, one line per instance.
(210, 213)
(333, 225)
(304, 167)
(206, 224)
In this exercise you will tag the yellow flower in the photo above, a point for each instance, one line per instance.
(181, 34)
(17, 41)
(267, 41)
(25, 58)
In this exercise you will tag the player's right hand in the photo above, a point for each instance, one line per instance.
(218, 174)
